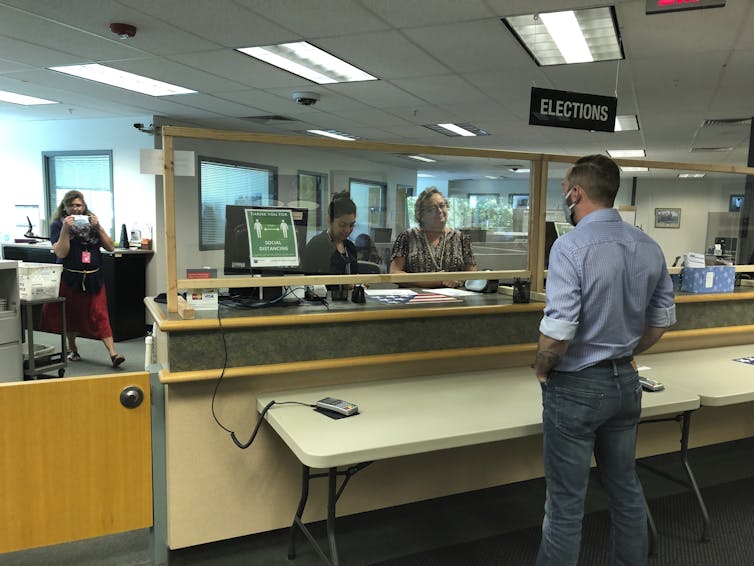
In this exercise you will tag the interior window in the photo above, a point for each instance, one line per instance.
(90, 172)
(224, 182)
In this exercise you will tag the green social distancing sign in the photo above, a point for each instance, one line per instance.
(272, 238)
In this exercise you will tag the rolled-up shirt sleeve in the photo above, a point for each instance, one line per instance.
(561, 319)
(661, 317)
(661, 310)
(558, 329)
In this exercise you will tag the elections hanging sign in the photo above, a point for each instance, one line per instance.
(562, 109)
(272, 237)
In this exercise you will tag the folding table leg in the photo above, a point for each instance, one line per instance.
(299, 513)
(685, 425)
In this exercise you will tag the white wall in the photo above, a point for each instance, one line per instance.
(21, 147)
(695, 197)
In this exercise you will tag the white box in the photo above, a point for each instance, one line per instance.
(38, 280)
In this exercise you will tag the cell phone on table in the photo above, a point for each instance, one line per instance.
(650, 384)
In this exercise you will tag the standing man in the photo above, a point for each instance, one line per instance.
(609, 296)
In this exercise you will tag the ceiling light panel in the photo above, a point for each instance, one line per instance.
(457, 130)
(422, 158)
(308, 61)
(570, 36)
(626, 123)
(22, 99)
(122, 79)
(626, 153)
(335, 134)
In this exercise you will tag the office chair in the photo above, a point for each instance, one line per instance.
(368, 267)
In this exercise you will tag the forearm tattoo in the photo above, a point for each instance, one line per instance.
(545, 361)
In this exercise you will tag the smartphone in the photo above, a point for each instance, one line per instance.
(650, 384)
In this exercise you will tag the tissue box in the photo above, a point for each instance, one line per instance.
(711, 279)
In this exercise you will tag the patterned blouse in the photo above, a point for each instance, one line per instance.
(452, 253)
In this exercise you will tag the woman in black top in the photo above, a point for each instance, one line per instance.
(76, 237)
(331, 251)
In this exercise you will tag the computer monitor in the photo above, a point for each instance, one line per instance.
(237, 259)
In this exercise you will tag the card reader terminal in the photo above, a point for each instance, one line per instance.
(338, 405)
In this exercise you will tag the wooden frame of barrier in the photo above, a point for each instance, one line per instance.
(538, 191)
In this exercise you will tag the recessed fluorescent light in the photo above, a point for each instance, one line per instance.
(455, 130)
(493, 177)
(626, 123)
(634, 169)
(15, 98)
(424, 175)
(122, 79)
(626, 153)
(520, 170)
(567, 35)
(570, 36)
(690, 175)
(306, 60)
(333, 134)
(422, 158)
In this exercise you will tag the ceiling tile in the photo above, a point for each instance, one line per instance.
(386, 55)
(318, 19)
(415, 13)
(442, 89)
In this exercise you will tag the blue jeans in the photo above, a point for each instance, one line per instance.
(593, 410)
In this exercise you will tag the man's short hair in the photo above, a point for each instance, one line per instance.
(599, 176)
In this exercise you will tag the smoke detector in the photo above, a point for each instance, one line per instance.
(123, 31)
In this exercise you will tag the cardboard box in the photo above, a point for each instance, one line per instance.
(710, 279)
(38, 280)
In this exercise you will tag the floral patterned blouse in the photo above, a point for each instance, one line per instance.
(452, 253)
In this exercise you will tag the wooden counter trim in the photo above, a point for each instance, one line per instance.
(398, 313)
(518, 354)
(676, 340)
(713, 297)
(350, 363)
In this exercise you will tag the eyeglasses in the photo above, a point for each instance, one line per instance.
(435, 208)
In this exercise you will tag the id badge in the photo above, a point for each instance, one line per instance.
(86, 257)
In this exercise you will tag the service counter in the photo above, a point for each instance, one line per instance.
(217, 491)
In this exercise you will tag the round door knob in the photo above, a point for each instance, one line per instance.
(131, 397)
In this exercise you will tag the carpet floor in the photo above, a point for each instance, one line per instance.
(678, 520)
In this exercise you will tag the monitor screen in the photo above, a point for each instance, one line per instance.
(237, 257)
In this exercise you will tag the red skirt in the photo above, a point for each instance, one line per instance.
(86, 313)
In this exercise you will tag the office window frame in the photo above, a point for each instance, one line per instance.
(321, 185)
(272, 194)
(51, 188)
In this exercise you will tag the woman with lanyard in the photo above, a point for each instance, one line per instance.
(432, 246)
(76, 236)
(331, 251)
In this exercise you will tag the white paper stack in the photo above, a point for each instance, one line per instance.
(693, 259)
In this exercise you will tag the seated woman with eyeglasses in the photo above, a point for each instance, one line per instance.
(432, 246)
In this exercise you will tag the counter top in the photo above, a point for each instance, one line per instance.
(335, 311)
(46, 246)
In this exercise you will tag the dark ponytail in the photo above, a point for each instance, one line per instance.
(340, 205)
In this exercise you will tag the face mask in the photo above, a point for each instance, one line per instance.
(568, 208)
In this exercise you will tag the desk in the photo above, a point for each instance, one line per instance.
(711, 373)
(714, 376)
(411, 416)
